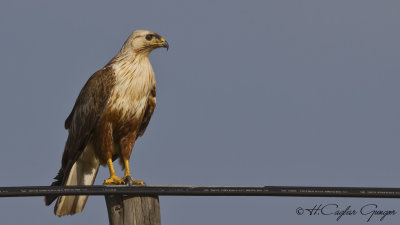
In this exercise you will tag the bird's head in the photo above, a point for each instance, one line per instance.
(144, 41)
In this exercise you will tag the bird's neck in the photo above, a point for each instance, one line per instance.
(130, 66)
(129, 56)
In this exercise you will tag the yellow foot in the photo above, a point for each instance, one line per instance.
(129, 180)
(114, 180)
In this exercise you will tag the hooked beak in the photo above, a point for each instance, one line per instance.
(165, 45)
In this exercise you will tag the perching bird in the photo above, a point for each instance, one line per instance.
(113, 109)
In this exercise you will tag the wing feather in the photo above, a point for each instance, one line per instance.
(82, 121)
(87, 111)
(151, 105)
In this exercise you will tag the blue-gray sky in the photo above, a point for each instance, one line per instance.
(250, 93)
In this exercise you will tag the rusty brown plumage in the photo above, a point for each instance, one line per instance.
(112, 110)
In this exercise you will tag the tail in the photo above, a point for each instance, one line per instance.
(83, 172)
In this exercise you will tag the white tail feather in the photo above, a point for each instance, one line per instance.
(83, 172)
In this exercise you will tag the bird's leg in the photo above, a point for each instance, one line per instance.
(127, 176)
(126, 144)
(114, 179)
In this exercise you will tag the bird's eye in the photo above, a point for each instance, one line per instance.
(149, 37)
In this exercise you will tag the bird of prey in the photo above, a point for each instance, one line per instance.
(112, 110)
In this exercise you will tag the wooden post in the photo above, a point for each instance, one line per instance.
(133, 210)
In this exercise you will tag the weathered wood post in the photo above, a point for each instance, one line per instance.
(133, 210)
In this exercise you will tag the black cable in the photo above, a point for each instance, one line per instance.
(295, 191)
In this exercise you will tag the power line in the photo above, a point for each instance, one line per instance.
(294, 191)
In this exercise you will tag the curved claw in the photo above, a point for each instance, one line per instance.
(130, 181)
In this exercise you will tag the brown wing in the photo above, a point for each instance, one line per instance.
(83, 119)
(151, 105)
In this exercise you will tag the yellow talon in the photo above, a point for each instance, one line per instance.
(127, 176)
(114, 179)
